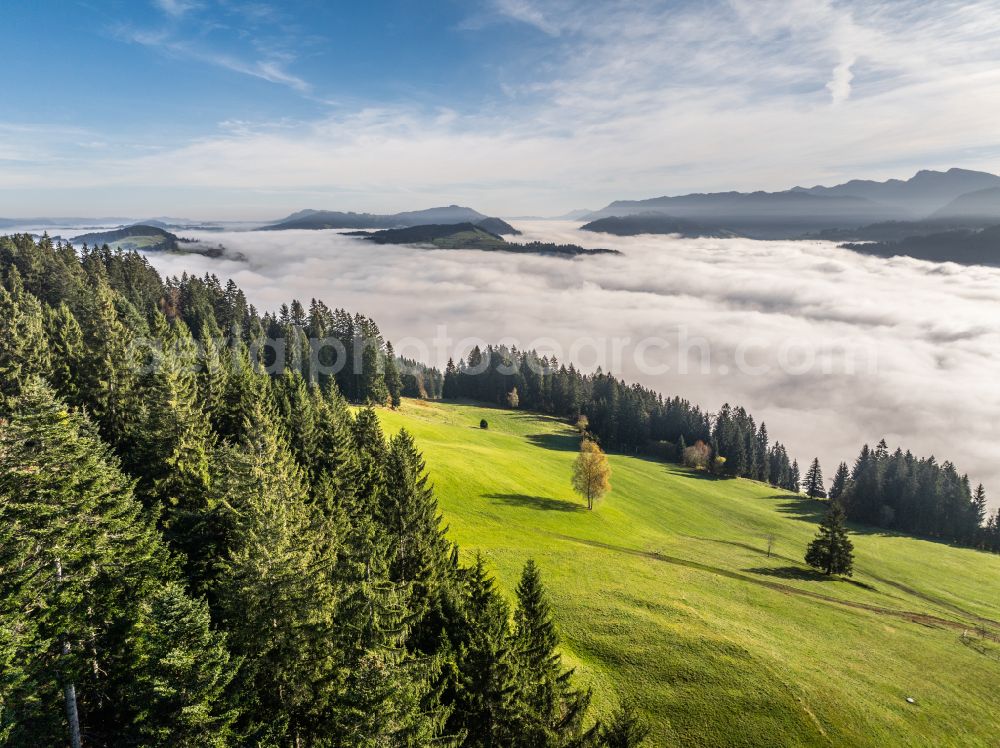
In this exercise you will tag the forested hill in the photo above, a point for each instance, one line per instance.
(139, 237)
(963, 245)
(196, 551)
(472, 236)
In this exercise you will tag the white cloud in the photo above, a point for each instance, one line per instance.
(632, 100)
(272, 67)
(175, 8)
(935, 371)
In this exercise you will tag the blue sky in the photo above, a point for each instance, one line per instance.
(225, 108)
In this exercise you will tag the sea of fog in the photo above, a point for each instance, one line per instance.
(830, 348)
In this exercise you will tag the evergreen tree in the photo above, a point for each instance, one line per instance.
(794, 478)
(408, 514)
(393, 382)
(554, 710)
(25, 350)
(840, 479)
(486, 712)
(624, 729)
(67, 352)
(275, 590)
(172, 443)
(977, 510)
(832, 550)
(814, 481)
(680, 448)
(108, 380)
(80, 559)
(183, 670)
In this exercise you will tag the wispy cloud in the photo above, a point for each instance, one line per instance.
(631, 99)
(530, 13)
(175, 8)
(186, 38)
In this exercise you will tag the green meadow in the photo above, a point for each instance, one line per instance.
(666, 594)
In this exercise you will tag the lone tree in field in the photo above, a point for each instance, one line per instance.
(814, 481)
(832, 551)
(591, 473)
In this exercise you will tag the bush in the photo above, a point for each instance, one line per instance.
(484, 424)
(697, 456)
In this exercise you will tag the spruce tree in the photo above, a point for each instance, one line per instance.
(554, 710)
(486, 709)
(213, 376)
(623, 729)
(393, 382)
(113, 363)
(832, 550)
(66, 344)
(794, 478)
(183, 671)
(25, 349)
(408, 514)
(976, 517)
(80, 559)
(840, 479)
(275, 589)
(814, 480)
(450, 389)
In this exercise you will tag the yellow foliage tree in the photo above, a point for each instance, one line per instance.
(591, 473)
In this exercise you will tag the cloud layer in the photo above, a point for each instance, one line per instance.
(611, 100)
(830, 348)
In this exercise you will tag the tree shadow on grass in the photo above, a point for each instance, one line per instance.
(804, 574)
(558, 442)
(536, 502)
(792, 572)
(814, 510)
(805, 509)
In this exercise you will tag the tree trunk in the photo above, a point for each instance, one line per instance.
(72, 716)
(69, 690)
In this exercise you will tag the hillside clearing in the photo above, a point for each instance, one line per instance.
(665, 593)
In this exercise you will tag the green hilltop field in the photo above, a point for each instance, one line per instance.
(665, 594)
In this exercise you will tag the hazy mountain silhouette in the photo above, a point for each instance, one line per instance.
(981, 204)
(799, 211)
(331, 219)
(964, 246)
(652, 223)
(921, 195)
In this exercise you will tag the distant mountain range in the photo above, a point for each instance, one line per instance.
(921, 195)
(983, 205)
(800, 211)
(330, 219)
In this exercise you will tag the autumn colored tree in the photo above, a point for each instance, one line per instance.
(591, 472)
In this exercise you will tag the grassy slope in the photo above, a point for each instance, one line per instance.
(664, 593)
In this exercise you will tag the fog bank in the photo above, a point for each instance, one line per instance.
(830, 348)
